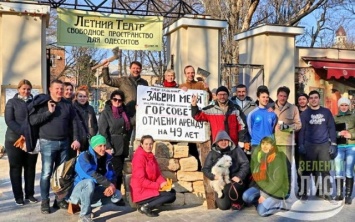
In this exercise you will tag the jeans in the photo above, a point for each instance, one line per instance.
(345, 158)
(86, 193)
(268, 207)
(53, 153)
(164, 197)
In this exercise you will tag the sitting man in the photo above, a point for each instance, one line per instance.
(94, 179)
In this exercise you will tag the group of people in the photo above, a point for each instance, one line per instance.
(258, 135)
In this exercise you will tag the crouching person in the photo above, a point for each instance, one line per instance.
(95, 178)
(231, 196)
(148, 186)
(270, 185)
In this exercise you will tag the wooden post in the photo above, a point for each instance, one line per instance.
(205, 148)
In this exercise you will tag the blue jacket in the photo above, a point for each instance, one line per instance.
(86, 167)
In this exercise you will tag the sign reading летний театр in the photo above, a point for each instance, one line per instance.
(165, 114)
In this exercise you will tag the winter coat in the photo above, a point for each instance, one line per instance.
(114, 131)
(290, 116)
(349, 120)
(86, 167)
(248, 104)
(128, 85)
(233, 121)
(146, 176)
(15, 115)
(276, 183)
(240, 163)
(87, 123)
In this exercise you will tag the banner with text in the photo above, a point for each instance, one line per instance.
(165, 114)
(94, 29)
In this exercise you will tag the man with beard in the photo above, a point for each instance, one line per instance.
(242, 100)
(223, 115)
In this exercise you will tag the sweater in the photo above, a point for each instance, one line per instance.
(260, 123)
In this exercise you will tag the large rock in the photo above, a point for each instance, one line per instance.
(180, 200)
(193, 199)
(188, 164)
(168, 164)
(182, 186)
(169, 174)
(181, 150)
(189, 176)
(136, 144)
(127, 167)
(198, 186)
(163, 150)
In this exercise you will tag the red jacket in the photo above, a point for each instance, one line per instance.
(233, 121)
(146, 176)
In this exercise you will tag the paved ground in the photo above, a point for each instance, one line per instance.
(309, 211)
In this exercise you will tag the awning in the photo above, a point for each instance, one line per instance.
(336, 68)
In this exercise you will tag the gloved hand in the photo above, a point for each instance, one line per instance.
(333, 151)
(302, 149)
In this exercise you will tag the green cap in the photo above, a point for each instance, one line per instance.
(97, 140)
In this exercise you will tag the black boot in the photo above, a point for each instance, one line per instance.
(145, 209)
(45, 209)
(60, 204)
(349, 183)
(339, 184)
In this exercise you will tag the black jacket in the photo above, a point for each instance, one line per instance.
(239, 168)
(114, 131)
(15, 115)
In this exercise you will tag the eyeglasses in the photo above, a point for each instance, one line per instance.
(116, 100)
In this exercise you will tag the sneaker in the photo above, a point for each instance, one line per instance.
(236, 206)
(147, 211)
(86, 218)
(19, 202)
(45, 208)
(31, 199)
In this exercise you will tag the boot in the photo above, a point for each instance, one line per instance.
(349, 183)
(60, 204)
(339, 185)
(45, 209)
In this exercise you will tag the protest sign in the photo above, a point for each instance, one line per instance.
(165, 114)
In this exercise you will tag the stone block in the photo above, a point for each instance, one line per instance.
(180, 200)
(163, 150)
(128, 196)
(136, 144)
(188, 164)
(193, 199)
(168, 164)
(181, 150)
(198, 186)
(127, 167)
(169, 174)
(182, 186)
(126, 182)
(189, 176)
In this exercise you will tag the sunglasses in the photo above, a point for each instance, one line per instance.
(116, 100)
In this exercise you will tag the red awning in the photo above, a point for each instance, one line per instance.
(336, 68)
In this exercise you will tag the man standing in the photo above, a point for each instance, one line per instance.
(288, 122)
(128, 84)
(191, 83)
(242, 100)
(261, 122)
(55, 117)
(317, 141)
(302, 102)
(223, 115)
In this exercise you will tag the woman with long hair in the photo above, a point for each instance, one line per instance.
(19, 160)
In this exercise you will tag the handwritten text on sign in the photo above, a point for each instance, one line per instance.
(94, 29)
(165, 113)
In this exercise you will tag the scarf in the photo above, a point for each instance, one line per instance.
(118, 112)
(264, 160)
(169, 84)
(24, 98)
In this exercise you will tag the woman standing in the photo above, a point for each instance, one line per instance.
(169, 80)
(239, 171)
(346, 150)
(115, 125)
(86, 116)
(147, 180)
(15, 115)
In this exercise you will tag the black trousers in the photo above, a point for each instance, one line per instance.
(18, 160)
(117, 162)
(164, 197)
(230, 195)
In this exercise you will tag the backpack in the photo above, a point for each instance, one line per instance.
(62, 179)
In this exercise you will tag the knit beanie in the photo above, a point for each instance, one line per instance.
(222, 89)
(343, 100)
(97, 140)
